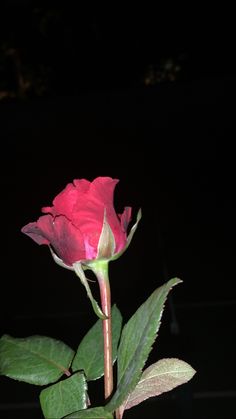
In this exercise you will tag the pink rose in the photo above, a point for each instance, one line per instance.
(73, 226)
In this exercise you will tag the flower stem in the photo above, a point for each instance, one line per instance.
(119, 413)
(101, 272)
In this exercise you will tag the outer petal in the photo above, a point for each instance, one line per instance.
(66, 239)
(119, 228)
(33, 231)
(125, 218)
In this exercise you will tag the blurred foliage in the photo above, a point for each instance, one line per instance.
(167, 69)
(52, 48)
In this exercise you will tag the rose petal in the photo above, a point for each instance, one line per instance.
(125, 218)
(74, 223)
(102, 191)
(89, 209)
(33, 231)
(100, 199)
(65, 201)
(66, 239)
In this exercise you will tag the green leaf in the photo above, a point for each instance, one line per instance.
(137, 338)
(64, 397)
(159, 378)
(36, 359)
(89, 356)
(94, 413)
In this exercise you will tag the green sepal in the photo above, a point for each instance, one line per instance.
(80, 273)
(106, 243)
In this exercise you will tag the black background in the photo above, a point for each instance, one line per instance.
(172, 147)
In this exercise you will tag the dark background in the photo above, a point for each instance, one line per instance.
(148, 98)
